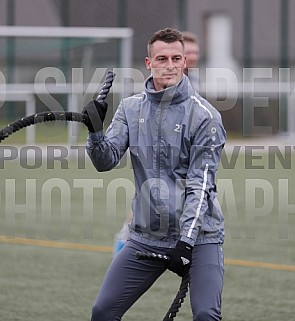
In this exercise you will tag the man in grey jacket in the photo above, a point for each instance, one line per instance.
(175, 139)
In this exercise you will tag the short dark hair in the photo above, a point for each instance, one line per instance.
(167, 35)
(190, 37)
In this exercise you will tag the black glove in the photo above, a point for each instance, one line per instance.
(180, 258)
(96, 112)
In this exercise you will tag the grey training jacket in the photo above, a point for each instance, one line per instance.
(175, 139)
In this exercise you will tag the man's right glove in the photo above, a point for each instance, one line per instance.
(180, 258)
(96, 112)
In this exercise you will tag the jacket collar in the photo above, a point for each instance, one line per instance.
(171, 95)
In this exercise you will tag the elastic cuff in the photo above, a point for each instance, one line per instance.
(95, 137)
(188, 240)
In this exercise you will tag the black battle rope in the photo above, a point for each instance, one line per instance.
(183, 288)
(56, 115)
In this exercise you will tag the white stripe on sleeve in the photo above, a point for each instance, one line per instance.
(202, 105)
(200, 203)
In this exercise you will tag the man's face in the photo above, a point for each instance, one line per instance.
(192, 53)
(166, 62)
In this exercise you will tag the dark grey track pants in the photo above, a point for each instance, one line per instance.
(128, 278)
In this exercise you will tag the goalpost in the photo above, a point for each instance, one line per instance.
(27, 50)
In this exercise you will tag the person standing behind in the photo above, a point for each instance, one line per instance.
(175, 138)
(192, 53)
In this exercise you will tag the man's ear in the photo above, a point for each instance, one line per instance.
(148, 63)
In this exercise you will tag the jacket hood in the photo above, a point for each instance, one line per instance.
(172, 95)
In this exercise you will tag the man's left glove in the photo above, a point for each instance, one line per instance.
(180, 258)
(96, 112)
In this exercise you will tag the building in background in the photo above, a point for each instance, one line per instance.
(235, 36)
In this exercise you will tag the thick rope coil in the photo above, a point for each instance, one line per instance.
(106, 86)
(40, 118)
(179, 299)
(56, 116)
(183, 288)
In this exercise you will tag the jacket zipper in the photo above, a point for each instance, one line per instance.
(158, 163)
